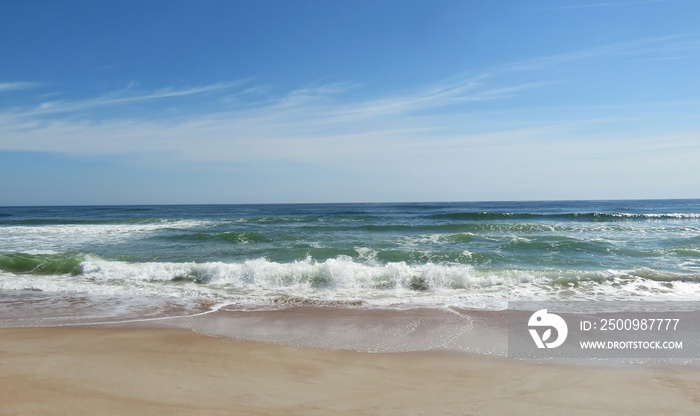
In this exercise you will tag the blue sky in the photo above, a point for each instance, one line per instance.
(151, 102)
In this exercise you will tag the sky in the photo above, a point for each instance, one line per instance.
(296, 101)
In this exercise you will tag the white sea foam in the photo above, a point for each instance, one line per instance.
(102, 229)
(342, 280)
(672, 215)
(47, 238)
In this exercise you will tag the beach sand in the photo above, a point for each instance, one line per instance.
(161, 371)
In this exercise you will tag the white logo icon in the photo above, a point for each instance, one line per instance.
(543, 319)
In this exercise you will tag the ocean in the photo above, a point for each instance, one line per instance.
(88, 264)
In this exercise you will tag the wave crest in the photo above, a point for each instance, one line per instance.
(41, 264)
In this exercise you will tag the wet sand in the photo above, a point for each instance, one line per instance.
(161, 371)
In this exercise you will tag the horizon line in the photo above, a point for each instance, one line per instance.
(347, 203)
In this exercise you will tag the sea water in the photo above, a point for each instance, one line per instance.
(111, 263)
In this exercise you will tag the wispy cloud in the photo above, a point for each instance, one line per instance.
(594, 5)
(320, 106)
(14, 86)
(339, 124)
(315, 123)
(333, 104)
(125, 96)
(642, 48)
(667, 58)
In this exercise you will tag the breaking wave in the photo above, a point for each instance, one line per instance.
(337, 281)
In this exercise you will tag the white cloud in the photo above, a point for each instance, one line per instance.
(309, 125)
(316, 125)
(440, 133)
(14, 86)
(640, 48)
(120, 97)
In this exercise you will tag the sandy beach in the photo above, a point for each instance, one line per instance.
(147, 371)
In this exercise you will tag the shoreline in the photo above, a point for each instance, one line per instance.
(358, 329)
(128, 369)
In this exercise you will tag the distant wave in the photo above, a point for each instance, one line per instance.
(586, 216)
(231, 236)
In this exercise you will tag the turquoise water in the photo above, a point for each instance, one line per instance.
(470, 255)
